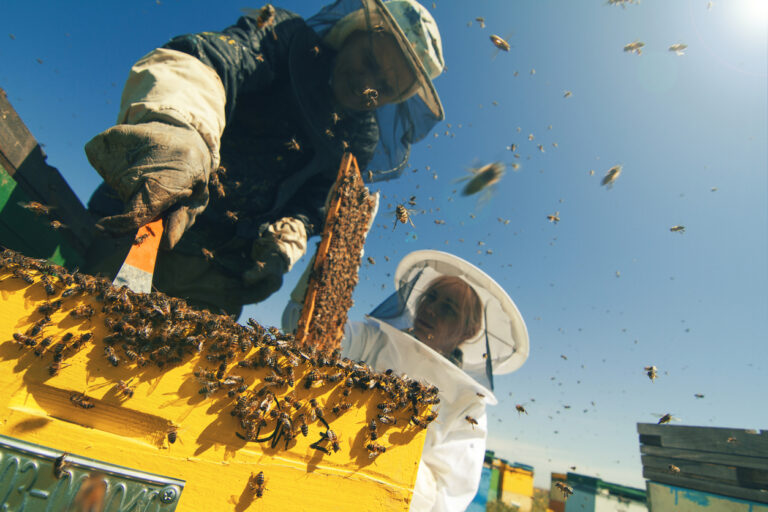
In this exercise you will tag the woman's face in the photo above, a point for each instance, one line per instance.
(439, 322)
(370, 71)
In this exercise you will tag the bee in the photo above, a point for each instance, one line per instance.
(665, 419)
(48, 285)
(512, 147)
(312, 378)
(207, 254)
(54, 367)
(122, 388)
(341, 407)
(472, 421)
(483, 178)
(315, 50)
(55, 224)
(533, 71)
(677, 229)
(678, 48)
(82, 311)
(371, 260)
(59, 465)
(204, 375)
(698, 395)
(500, 43)
(333, 439)
(80, 400)
(374, 450)
(372, 430)
(371, 97)
(520, 409)
(403, 215)
(481, 21)
(419, 423)
(293, 144)
(172, 433)
(673, 469)
(612, 175)
(731, 440)
(303, 425)
(565, 489)
(541, 147)
(209, 387)
(140, 239)
(634, 47)
(554, 218)
(336, 118)
(36, 207)
(24, 276)
(652, 372)
(109, 352)
(567, 94)
(49, 307)
(386, 419)
(256, 484)
(266, 16)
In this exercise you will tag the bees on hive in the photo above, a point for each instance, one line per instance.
(80, 400)
(256, 484)
(172, 433)
(611, 176)
(500, 43)
(124, 389)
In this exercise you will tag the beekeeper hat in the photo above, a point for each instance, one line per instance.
(416, 33)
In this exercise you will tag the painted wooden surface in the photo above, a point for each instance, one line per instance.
(215, 464)
(663, 497)
(517, 487)
(722, 461)
(480, 500)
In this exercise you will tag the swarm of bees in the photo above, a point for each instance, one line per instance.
(634, 47)
(154, 329)
(611, 176)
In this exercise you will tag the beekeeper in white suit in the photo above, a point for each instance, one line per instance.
(450, 324)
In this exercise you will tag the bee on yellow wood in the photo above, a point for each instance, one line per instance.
(677, 229)
(375, 449)
(500, 43)
(124, 389)
(678, 48)
(36, 207)
(256, 484)
(612, 175)
(634, 47)
(554, 218)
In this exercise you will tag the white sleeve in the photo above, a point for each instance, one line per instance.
(451, 464)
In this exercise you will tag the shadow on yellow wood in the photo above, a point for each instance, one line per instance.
(95, 400)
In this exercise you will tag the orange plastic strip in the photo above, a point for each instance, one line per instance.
(144, 251)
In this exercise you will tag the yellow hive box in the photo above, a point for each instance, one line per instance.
(212, 463)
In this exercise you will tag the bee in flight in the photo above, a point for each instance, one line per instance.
(36, 207)
(677, 229)
(678, 48)
(500, 43)
(483, 178)
(567, 94)
(634, 47)
(612, 175)
(403, 215)
(554, 218)
(565, 489)
(652, 372)
(520, 408)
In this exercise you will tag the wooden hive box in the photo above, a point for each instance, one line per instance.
(119, 444)
(695, 468)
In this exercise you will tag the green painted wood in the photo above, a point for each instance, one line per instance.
(709, 439)
(27, 233)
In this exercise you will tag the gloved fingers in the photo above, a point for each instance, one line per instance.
(138, 211)
(180, 219)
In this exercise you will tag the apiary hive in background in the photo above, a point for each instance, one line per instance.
(516, 486)
(481, 499)
(591, 494)
(337, 262)
(196, 403)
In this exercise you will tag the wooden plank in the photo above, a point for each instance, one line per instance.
(758, 496)
(731, 475)
(742, 461)
(664, 497)
(24, 160)
(709, 439)
(214, 462)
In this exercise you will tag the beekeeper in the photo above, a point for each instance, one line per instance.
(450, 324)
(235, 138)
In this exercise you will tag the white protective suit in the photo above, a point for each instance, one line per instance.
(454, 449)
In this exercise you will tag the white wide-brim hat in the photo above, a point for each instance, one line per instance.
(416, 33)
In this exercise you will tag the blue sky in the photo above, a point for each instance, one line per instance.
(693, 304)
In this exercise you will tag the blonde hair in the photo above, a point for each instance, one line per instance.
(467, 301)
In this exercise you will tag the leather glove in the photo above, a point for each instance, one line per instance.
(266, 276)
(155, 168)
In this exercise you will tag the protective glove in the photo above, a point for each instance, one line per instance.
(280, 245)
(154, 167)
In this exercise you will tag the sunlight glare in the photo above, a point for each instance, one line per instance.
(755, 12)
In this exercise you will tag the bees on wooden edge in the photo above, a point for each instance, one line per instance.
(82, 311)
(500, 43)
(80, 400)
(172, 433)
(256, 484)
(332, 439)
(23, 275)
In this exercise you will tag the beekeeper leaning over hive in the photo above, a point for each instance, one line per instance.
(450, 324)
(276, 100)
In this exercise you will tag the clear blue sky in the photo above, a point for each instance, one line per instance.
(693, 304)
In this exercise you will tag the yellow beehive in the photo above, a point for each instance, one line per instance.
(211, 455)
